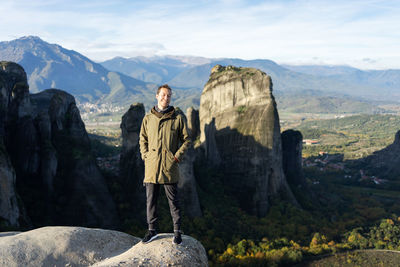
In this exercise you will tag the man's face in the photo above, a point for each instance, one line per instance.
(163, 98)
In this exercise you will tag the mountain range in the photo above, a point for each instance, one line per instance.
(123, 81)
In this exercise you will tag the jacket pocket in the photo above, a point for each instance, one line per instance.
(150, 164)
(170, 164)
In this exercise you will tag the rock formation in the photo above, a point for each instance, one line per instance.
(187, 182)
(9, 210)
(56, 174)
(292, 145)
(78, 246)
(13, 90)
(240, 133)
(161, 252)
(193, 122)
(187, 185)
(131, 164)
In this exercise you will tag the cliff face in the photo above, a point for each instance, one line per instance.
(292, 145)
(9, 210)
(13, 90)
(240, 133)
(187, 182)
(57, 177)
(131, 164)
(193, 122)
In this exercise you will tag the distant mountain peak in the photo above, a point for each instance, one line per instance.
(31, 37)
(52, 66)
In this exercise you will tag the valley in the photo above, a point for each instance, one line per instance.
(349, 122)
(339, 197)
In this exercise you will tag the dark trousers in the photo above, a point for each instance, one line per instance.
(152, 193)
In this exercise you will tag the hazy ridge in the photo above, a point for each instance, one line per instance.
(122, 81)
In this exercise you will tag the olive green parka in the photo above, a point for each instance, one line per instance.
(163, 137)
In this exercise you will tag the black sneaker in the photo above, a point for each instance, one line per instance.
(150, 235)
(177, 238)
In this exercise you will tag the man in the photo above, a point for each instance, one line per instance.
(164, 139)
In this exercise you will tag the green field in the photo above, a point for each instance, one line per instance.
(354, 136)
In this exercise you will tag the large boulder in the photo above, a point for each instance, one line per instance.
(240, 133)
(62, 246)
(78, 246)
(161, 252)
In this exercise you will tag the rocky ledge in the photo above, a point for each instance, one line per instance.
(78, 246)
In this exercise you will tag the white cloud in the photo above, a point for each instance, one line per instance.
(335, 32)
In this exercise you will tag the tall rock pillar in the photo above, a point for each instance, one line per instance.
(240, 132)
(131, 164)
(187, 182)
(292, 144)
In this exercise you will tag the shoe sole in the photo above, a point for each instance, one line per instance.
(151, 239)
(176, 243)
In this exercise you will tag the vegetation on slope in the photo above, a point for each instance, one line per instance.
(282, 252)
(300, 103)
(354, 136)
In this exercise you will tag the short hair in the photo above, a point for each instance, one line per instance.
(166, 86)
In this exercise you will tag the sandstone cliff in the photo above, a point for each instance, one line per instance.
(240, 133)
(56, 174)
(78, 246)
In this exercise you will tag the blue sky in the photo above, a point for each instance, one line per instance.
(363, 34)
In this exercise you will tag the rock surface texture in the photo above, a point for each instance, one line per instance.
(292, 145)
(162, 252)
(131, 164)
(49, 150)
(78, 246)
(187, 185)
(187, 182)
(193, 122)
(9, 209)
(13, 91)
(240, 134)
